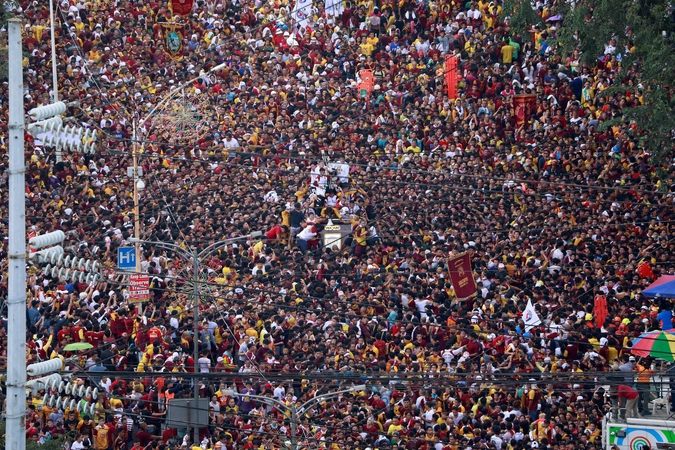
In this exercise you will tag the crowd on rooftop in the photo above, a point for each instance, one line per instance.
(557, 211)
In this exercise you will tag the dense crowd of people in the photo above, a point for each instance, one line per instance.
(557, 211)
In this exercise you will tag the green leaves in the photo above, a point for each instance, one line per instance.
(637, 30)
(522, 16)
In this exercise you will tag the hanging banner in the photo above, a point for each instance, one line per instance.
(367, 84)
(461, 276)
(139, 288)
(173, 40)
(524, 105)
(180, 7)
(451, 71)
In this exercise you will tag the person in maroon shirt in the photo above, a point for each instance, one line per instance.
(144, 436)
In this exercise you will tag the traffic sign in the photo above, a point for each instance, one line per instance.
(139, 288)
(126, 258)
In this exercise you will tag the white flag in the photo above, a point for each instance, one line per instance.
(530, 317)
(334, 8)
(301, 12)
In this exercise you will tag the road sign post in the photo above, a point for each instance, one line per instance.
(139, 288)
(126, 258)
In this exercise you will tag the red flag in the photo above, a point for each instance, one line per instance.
(600, 310)
(451, 76)
(461, 275)
(180, 7)
(645, 270)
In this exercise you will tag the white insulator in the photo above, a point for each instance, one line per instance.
(53, 238)
(47, 270)
(47, 111)
(42, 383)
(54, 384)
(74, 274)
(44, 367)
(47, 254)
(57, 260)
(44, 125)
(89, 147)
(87, 265)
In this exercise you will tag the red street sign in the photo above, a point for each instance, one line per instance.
(139, 288)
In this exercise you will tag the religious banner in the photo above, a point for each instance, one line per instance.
(301, 13)
(173, 39)
(180, 7)
(524, 105)
(451, 72)
(461, 276)
(530, 316)
(366, 85)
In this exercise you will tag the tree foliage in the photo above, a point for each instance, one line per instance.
(645, 42)
(4, 16)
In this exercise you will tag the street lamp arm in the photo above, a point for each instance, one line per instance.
(185, 254)
(319, 398)
(178, 88)
(270, 401)
(212, 248)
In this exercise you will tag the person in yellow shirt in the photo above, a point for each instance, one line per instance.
(366, 47)
(414, 147)
(79, 25)
(39, 29)
(394, 426)
(507, 52)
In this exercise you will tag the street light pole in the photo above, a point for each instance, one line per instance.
(16, 294)
(195, 258)
(137, 228)
(55, 78)
(294, 410)
(195, 337)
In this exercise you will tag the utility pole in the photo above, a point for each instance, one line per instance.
(137, 220)
(16, 298)
(195, 335)
(55, 78)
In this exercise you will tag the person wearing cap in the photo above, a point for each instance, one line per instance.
(627, 366)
